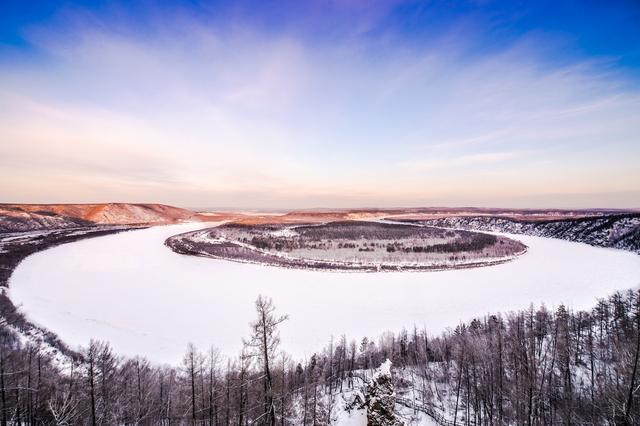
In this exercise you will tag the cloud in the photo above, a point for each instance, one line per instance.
(487, 158)
(220, 112)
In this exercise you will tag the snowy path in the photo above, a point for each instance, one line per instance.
(131, 290)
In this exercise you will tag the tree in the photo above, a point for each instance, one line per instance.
(636, 355)
(214, 359)
(92, 355)
(191, 361)
(263, 345)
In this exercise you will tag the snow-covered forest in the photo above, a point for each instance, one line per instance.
(372, 246)
(528, 367)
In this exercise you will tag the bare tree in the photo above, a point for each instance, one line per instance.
(263, 345)
(190, 362)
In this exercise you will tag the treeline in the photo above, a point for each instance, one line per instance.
(529, 367)
(608, 229)
(477, 242)
(532, 367)
(261, 385)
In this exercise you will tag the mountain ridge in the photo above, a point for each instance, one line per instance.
(29, 217)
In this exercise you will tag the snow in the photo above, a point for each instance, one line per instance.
(37, 338)
(411, 417)
(352, 418)
(285, 232)
(384, 370)
(342, 416)
(134, 292)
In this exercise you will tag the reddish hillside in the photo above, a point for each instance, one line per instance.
(23, 217)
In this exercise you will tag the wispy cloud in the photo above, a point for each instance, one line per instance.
(217, 112)
(454, 163)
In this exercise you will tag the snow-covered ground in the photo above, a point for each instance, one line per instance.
(131, 290)
(346, 413)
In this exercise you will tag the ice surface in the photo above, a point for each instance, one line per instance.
(131, 290)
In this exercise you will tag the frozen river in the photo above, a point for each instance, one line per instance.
(144, 299)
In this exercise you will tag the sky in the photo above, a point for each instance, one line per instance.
(303, 104)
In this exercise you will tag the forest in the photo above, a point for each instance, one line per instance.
(349, 245)
(536, 366)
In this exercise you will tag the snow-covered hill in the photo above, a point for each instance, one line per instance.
(621, 231)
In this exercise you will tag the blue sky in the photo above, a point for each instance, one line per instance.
(321, 104)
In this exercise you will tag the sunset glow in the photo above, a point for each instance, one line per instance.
(340, 104)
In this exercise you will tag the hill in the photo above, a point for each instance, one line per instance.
(28, 217)
(620, 231)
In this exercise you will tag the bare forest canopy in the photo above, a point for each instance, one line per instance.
(528, 367)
